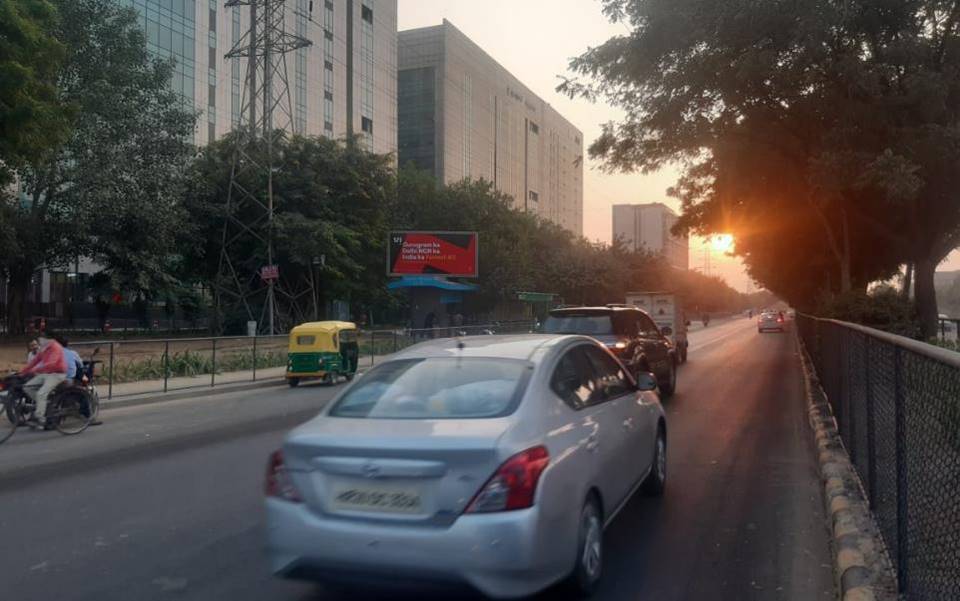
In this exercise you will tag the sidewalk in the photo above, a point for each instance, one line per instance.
(200, 382)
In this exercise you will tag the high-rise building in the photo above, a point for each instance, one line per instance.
(647, 227)
(462, 115)
(345, 82)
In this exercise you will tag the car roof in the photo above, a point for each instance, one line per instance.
(608, 309)
(527, 347)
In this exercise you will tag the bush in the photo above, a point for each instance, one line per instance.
(190, 363)
(883, 308)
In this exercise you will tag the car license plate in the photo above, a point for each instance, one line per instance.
(379, 500)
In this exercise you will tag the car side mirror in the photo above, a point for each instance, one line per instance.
(666, 330)
(646, 381)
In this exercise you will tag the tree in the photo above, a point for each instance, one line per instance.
(330, 200)
(822, 133)
(33, 119)
(110, 190)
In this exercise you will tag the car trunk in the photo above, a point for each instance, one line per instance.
(410, 471)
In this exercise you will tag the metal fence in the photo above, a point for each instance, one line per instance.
(153, 365)
(897, 406)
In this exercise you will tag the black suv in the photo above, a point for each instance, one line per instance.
(628, 332)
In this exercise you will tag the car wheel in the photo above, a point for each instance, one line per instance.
(656, 481)
(586, 574)
(670, 386)
(293, 382)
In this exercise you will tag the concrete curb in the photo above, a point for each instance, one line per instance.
(862, 567)
(150, 398)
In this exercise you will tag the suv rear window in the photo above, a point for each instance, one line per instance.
(590, 324)
(437, 388)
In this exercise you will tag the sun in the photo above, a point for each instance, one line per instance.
(722, 243)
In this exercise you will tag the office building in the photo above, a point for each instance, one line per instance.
(345, 82)
(461, 115)
(647, 227)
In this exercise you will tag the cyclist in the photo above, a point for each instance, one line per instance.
(49, 369)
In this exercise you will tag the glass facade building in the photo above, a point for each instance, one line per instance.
(344, 83)
(461, 115)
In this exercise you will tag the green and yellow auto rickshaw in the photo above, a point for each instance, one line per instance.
(322, 350)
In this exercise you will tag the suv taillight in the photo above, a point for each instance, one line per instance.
(278, 483)
(513, 485)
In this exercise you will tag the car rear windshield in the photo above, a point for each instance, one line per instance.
(436, 388)
(590, 324)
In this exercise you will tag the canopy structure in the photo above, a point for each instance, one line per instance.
(426, 281)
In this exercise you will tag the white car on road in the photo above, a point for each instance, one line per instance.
(494, 462)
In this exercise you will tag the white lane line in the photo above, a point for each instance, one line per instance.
(715, 340)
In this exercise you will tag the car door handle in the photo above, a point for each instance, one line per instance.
(593, 443)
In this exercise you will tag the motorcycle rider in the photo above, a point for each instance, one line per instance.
(74, 367)
(49, 369)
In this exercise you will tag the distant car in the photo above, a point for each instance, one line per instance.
(770, 322)
(494, 461)
(629, 333)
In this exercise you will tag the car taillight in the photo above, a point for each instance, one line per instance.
(513, 485)
(278, 483)
(780, 319)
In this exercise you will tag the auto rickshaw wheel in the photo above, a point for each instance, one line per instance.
(328, 379)
(293, 382)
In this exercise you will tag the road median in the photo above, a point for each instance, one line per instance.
(862, 567)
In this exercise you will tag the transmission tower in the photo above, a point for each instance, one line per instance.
(266, 111)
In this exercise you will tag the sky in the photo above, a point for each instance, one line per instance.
(534, 40)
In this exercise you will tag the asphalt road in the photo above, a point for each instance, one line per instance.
(164, 501)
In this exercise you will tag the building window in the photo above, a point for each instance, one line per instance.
(366, 124)
(213, 20)
(211, 132)
(328, 126)
(211, 95)
(534, 128)
(328, 4)
(366, 13)
(534, 196)
(328, 34)
(328, 95)
(328, 66)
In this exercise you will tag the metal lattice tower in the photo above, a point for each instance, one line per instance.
(266, 111)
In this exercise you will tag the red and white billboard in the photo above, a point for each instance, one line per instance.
(432, 253)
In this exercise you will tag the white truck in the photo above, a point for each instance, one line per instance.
(665, 309)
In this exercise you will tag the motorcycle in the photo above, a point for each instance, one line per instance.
(71, 407)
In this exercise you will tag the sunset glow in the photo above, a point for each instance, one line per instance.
(722, 243)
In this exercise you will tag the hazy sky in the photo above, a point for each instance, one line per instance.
(534, 40)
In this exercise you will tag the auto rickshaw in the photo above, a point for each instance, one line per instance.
(322, 350)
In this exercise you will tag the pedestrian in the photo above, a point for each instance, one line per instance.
(49, 369)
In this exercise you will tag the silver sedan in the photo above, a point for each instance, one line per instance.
(769, 321)
(494, 462)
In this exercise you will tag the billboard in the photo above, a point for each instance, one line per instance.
(432, 253)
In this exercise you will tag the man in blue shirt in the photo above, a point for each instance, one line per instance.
(74, 362)
(74, 368)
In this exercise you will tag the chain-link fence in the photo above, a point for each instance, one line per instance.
(897, 406)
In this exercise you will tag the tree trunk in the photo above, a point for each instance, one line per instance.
(907, 281)
(925, 297)
(846, 283)
(17, 311)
